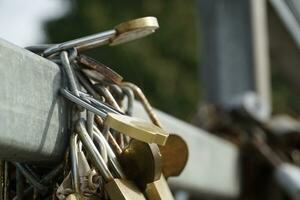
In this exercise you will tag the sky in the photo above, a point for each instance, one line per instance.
(21, 20)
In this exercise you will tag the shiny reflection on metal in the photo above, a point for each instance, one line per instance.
(70, 73)
(74, 162)
(84, 42)
(102, 145)
(82, 103)
(107, 135)
(38, 48)
(134, 29)
(90, 122)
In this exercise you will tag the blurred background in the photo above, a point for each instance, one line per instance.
(165, 65)
(204, 52)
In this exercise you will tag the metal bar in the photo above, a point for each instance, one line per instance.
(289, 12)
(32, 115)
(260, 49)
(227, 68)
(19, 185)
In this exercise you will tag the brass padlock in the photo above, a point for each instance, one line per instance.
(159, 190)
(124, 32)
(98, 71)
(117, 189)
(142, 162)
(130, 126)
(175, 155)
(121, 189)
(134, 29)
(136, 128)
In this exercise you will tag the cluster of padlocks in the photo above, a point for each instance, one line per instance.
(111, 154)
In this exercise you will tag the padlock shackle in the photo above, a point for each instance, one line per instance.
(69, 72)
(111, 155)
(84, 42)
(92, 151)
(82, 103)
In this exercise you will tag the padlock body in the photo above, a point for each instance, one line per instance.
(159, 190)
(121, 189)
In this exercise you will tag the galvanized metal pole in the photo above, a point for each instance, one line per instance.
(234, 49)
(260, 49)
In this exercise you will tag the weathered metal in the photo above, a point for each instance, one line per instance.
(106, 73)
(32, 115)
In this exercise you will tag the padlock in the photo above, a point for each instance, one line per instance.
(123, 32)
(136, 128)
(98, 71)
(117, 189)
(74, 163)
(159, 190)
(142, 162)
(175, 155)
(134, 29)
(175, 151)
(130, 126)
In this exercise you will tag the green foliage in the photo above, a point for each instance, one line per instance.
(164, 64)
(284, 94)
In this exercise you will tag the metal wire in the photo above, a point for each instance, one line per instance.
(30, 178)
(92, 151)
